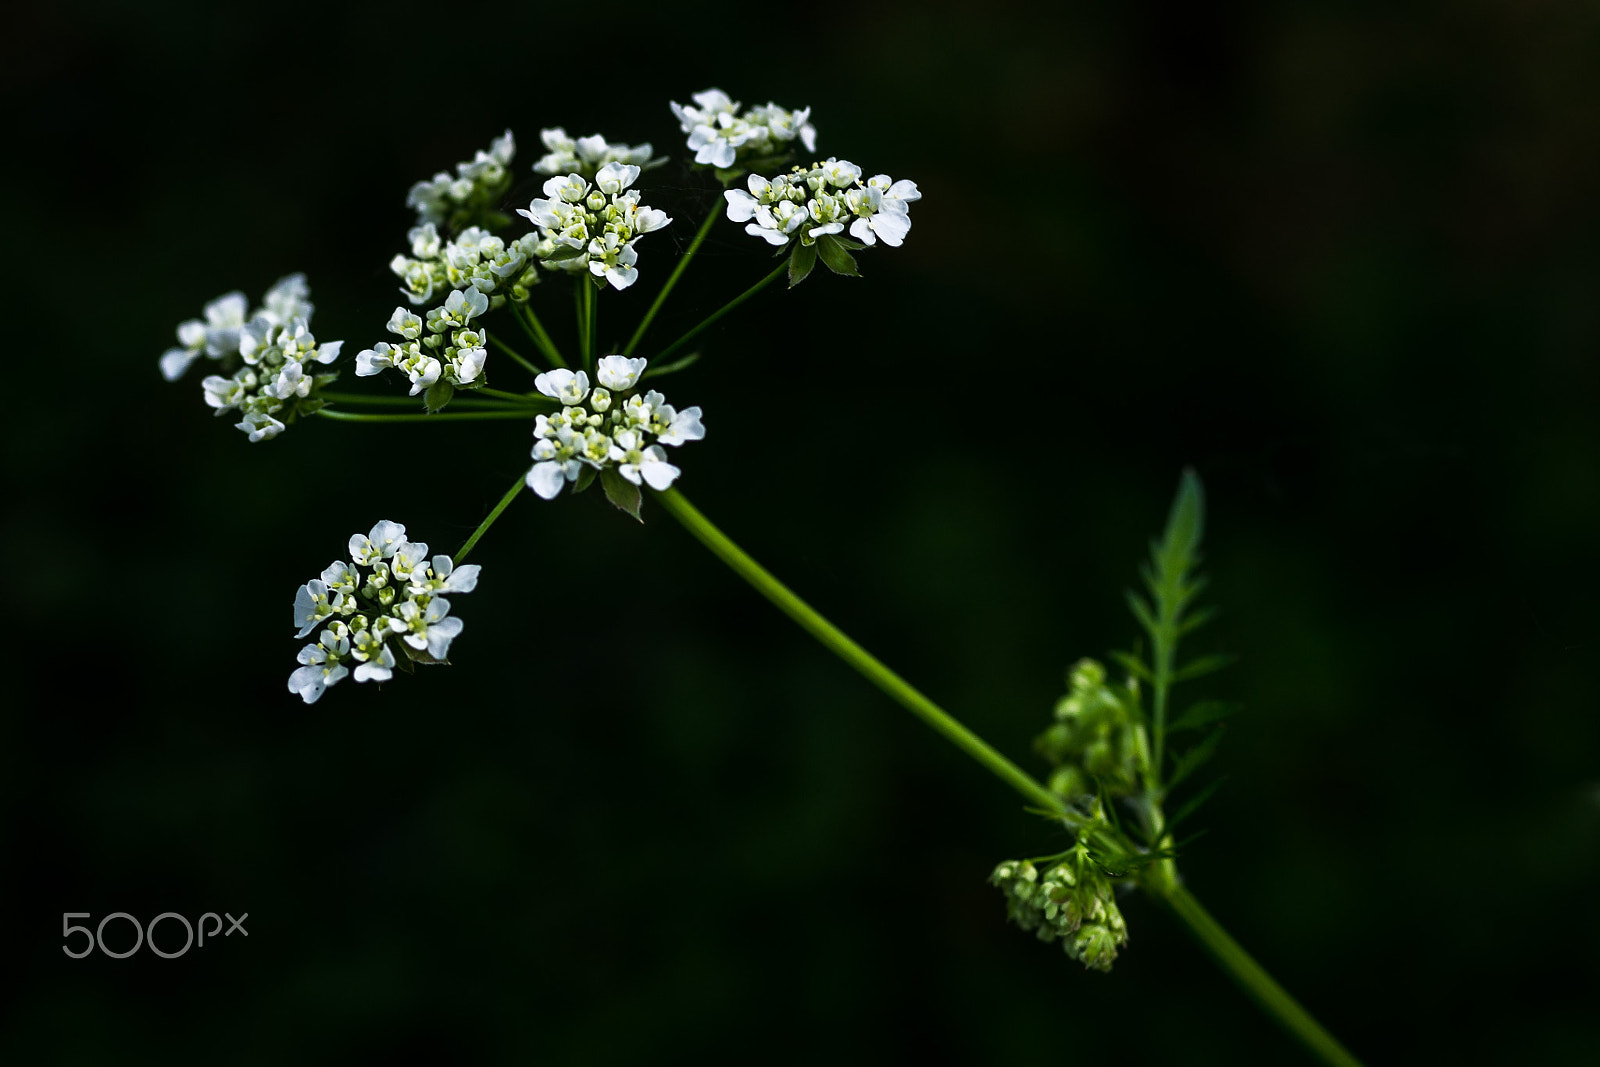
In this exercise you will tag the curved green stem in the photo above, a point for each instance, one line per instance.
(1255, 980)
(863, 661)
(672, 279)
(443, 416)
(723, 310)
(515, 398)
(410, 401)
(505, 501)
(535, 330)
(494, 339)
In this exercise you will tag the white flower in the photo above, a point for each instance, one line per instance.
(569, 387)
(619, 372)
(431, 627)
(260, 426)
(314, 603)
(444, 577)
(374, 658)
(721, 136)
(322, 667)
(610, 427)
(406, 558)
(378, 543)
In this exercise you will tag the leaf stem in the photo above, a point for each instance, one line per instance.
(494, 339)
(445, 416)
(535, 329)
(672, 280)
(1255, 981)
(505, 502)
(723, 310)
(863, 661)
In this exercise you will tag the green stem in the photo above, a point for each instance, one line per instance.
(592, 330)
(404, 401)
(494, 339)
(505, 501)
(875, 672)
(444, 416)
(518, 398)
(535, 329)
(672, 279)
(1256, 981)
(1272, 997)
(723, 310)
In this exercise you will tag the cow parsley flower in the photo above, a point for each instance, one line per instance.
(722, 136)
(471, 196)
(593, 227)
(610, 425)
(823, 199)
(268, 358)
(446, 347)
(474, 257)
(586, 155)
(388, 598)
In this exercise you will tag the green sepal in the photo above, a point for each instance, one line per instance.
(801, 260)
(621, 492)
(420, 656)
(322, 381)
(403, 662)
(565, 252)
(437, 396)
(585, 479)
(835, 258)
(310, 405)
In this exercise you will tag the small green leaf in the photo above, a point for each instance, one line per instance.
(835, 258)
(1203, 665)
(585, 479)
(621, 492)
(1190, 761)
(1133, 665)
(669, 368)
(1193, 804)
(1202, 713)
(801, 260)
(438, 395)
(1141, 611)
(846, 242)
(1197, 620)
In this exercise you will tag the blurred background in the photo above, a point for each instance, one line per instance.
(1341, 259)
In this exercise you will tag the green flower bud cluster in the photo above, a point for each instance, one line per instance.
(1072, 901)
(1097, 740)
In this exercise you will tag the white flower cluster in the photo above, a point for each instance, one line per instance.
(824, 198)
(474, 257)
(593, 226)
(586, 155)
(455, 202)
(444, 346)
(721, 135)
(389, 589)
(612, 425)
(267, 353)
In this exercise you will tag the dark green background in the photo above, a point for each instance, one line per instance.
(1341, 259)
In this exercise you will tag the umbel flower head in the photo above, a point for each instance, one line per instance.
(444, 347)
(472, 258)
(610, 427)
(723, 136)
(822, 199)
(268, 357)
(472, 195)
(593, 226)
(1072, 901)
(586, 155)
(389, 595)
